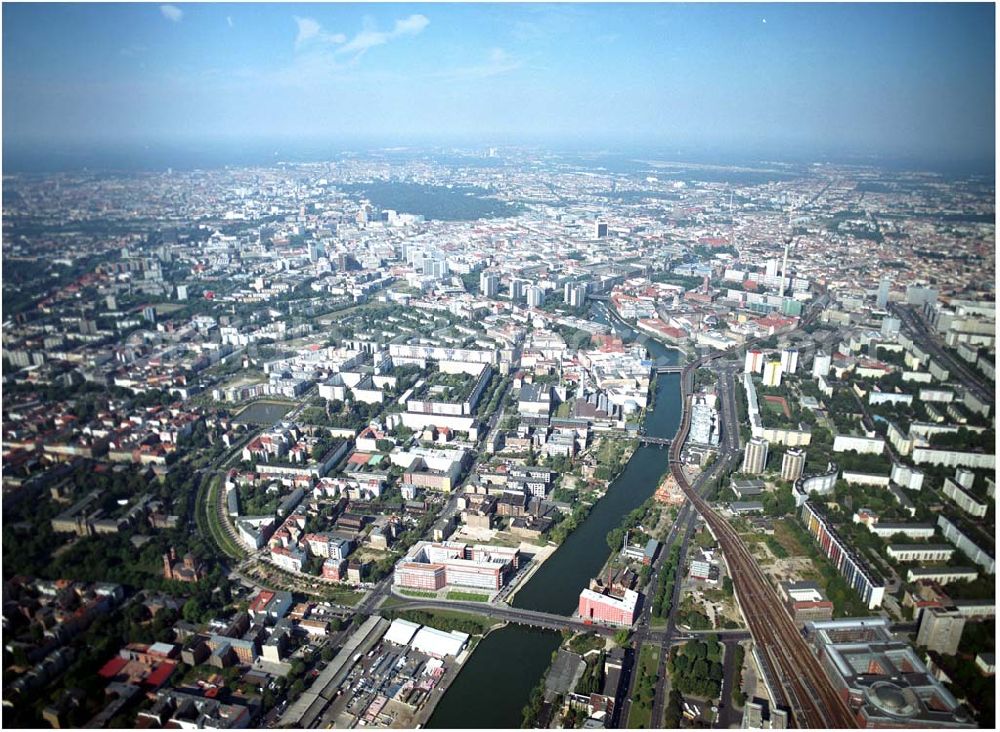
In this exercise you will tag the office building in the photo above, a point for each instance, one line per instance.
(755, 457)
(600, 229)
(883, 680)
(920, 552)
(746, 488)
(149, 313)
(489, 284)
(940, 630)
(432, 566)
(890, 327)
(609, 609)
(772, 373)
(805, 602)
(916, 295)
(759, 714)
(704, 422)
(793, 464)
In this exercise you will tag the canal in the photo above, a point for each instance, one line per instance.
(496, 681)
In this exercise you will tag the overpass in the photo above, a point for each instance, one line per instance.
(553, 621)
(502, 611)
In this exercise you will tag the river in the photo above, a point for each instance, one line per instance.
(495, 683)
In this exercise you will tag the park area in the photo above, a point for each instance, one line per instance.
(641, 712)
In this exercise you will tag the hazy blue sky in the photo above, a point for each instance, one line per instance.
(896, 80)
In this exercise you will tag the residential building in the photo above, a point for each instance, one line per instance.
(772, 373)
(940, 630)
(852, 567)
(755, 456)
(793, 463)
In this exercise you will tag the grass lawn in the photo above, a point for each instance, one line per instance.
(415, 593)
(467, 596)
(342, 595)
(641, 712)
(215, 528)
(658, 622)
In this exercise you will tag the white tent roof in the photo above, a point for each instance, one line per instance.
(401, 632)
(436, 642)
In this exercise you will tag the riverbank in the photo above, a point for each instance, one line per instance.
(612, 313)
(505, 674)
(496, 680)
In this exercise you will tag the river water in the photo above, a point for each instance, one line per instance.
(496, 681)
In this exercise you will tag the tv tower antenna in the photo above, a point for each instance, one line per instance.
(788, 242)
(732, 221)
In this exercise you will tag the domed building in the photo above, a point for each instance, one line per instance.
(882, 679)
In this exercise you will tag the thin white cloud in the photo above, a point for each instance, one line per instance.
(229, 21)
(133, 50)
(369, 37)
(310, 30)
(172, 12)
(498, 62)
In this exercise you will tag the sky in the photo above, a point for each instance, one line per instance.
(897, 80)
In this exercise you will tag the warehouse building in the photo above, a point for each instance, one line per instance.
(608, 608)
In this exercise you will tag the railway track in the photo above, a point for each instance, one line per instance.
(814, 702)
